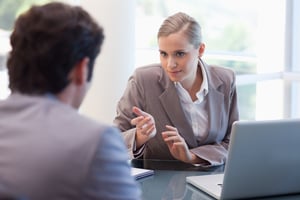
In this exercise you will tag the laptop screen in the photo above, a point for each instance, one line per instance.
(263, 159)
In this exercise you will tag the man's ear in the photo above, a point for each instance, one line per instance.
(201, 50)
(80, 72)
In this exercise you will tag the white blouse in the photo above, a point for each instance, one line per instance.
(195, 111)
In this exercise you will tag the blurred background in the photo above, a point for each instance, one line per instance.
(258, 39)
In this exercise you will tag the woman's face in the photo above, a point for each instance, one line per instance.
(179, 57)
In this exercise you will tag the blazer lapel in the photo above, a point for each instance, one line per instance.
(215, 101)
(170, 102)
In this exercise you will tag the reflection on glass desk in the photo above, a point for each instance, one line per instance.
(169, 180)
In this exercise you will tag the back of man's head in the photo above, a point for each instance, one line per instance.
(47, 42)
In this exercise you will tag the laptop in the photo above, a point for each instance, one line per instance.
(263, 161)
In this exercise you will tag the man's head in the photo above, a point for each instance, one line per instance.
(48, 42)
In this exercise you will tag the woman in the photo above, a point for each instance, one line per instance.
(181, 108)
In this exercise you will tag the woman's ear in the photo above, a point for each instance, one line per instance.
(80, 72)
(201, 50)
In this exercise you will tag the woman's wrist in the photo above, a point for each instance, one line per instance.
(140, 141)
(196, 160)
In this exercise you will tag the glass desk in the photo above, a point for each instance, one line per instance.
(169, 181)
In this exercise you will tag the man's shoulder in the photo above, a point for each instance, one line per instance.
(52, 114)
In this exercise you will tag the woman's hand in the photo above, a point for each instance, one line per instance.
(145, 126)
(179, 148)
(177, 144)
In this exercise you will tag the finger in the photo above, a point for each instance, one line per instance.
(149, 129)
(145, 122)
(172, 128)
(144, 125)
(136, 120)
(169, 136)
(171, 139)
(139, 112)
(166, 134)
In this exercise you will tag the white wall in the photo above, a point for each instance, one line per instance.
(116, 60)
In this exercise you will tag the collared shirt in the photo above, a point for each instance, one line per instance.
(195, 111)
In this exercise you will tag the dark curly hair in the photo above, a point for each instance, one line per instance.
(47, 42)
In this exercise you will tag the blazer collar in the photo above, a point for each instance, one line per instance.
(213, 81)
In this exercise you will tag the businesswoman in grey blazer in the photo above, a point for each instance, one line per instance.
(181, 108)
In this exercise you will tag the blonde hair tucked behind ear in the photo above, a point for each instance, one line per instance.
(182, 22)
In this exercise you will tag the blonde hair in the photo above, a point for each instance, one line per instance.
(182, 22)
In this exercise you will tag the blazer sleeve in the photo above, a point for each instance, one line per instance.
(110, 172)
(133, 96)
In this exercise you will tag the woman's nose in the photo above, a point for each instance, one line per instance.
(172, 63)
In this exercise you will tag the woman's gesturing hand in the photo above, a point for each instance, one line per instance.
(145, 126)
(177, 144)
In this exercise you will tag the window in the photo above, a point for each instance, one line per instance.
(248, 36)
(5, 27)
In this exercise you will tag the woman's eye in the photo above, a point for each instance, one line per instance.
(180, 54)
(163, 54)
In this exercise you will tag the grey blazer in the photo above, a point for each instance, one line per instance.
(48, 151)
(150, 89)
